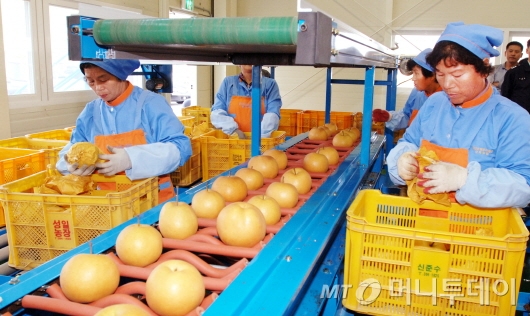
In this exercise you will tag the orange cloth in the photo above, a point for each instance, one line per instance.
(241, 108)
(127, 139)
(459, 156)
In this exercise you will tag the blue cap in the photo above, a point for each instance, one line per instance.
(120, 68)
(420, 59)
(478, 39)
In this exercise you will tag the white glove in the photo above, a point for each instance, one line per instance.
(443, 177)
(407, 165)
(117, 162)
(84, 170)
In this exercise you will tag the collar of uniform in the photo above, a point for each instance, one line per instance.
(123, 96)
(486, 93)
(437, 90)
(242, 79)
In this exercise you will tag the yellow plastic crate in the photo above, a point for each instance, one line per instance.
(430, 259)
(288, 121)
(191, 171)
(308, 119)
(50, 147)
(42, 226)
(59, 134)
(220, 153)
(201, 114)
(187, 120)
(16, 164)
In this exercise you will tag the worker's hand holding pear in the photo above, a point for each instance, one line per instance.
(82, 158)
(442, 177)
(408, 167)
(117, 161)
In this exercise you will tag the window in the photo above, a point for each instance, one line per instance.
(184, 76)
(38, 70)
(66, 74)
(411, 44)
(18, 47)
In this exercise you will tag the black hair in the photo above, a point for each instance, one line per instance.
(514, 43)
(265, 73)
(528, 43)
(84, 66)
(425, 72)
(452, 53)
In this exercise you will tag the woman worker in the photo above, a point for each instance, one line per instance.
(425, 84)
(481, 138)
(232, 109)
(135, 128)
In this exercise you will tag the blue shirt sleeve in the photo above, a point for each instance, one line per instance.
(400, 119)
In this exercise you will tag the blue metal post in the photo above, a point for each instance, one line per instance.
(391, 92)
(255, 146)
(369, 83)
(273, 72)
(328, 94)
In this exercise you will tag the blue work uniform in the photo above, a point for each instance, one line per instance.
(234, 86)
(167, 147)
(496, 134)
(401, 119)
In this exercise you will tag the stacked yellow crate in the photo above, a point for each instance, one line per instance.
(16, 164)
(191, 171)
(220, 153)
(201, 114)
(309, 119)
(41, 226)
(431, 259)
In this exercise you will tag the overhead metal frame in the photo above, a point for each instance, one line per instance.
(320, 43)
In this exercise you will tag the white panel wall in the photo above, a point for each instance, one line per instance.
(305, 88)
(436, 14)
(5, 121)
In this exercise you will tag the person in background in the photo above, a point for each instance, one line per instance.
(514, 52)
(425, 84)
(516, 85)
(522, 60)
(265, 73)
(481, 138)
(232, 109)
(134, 128)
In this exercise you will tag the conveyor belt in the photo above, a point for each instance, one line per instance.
(317, 222)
